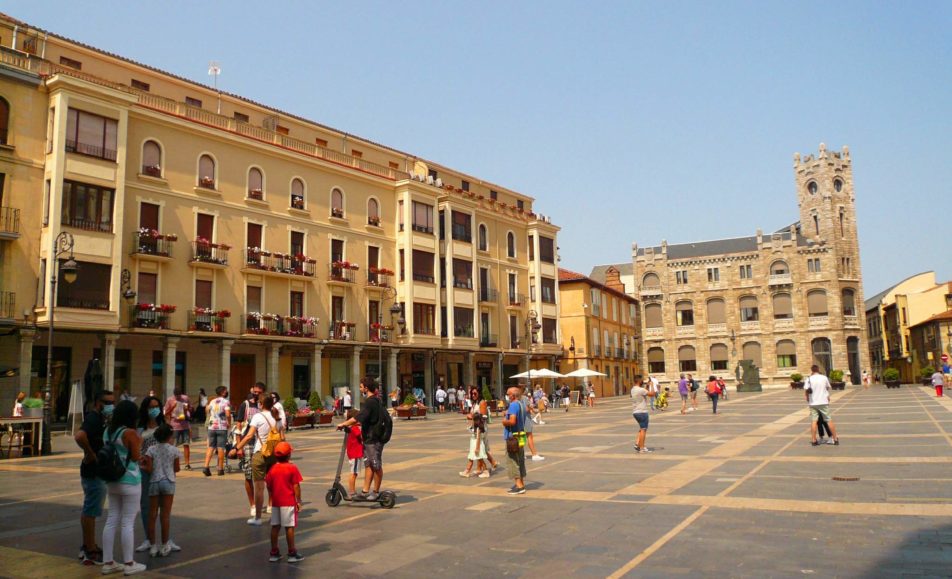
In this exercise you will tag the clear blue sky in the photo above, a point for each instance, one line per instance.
(627, 121)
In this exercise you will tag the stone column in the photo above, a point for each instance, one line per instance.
(27, 335)
(355, 376)
(271, 366)
(168, 365)
(317, 371)
(393, 378)
(428, 375)
(469, 369)
(109, 361)
(225, 362)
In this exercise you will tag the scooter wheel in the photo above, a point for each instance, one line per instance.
(388, 499)
(333, 498)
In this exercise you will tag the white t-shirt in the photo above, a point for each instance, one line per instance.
(283, 417)
(262, 422)
(348, 401)
(820, 386)
(163, 461)
(639, 400)
(440, 395)
(17, 409)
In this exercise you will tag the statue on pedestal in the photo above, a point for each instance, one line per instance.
(748, 377)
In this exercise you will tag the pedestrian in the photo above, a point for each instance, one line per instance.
(723, 386)
(282, 415)
(355, 451)
(477, 448)
(178, 411)
(124, 493)
(264, 425)
(694, 386)
(527, 412)
(246, 412)
(440, 399)
(656, 388)
(451, 399)
(822, 429)
(369, 417)
(514, 435)
(591, 396)
(150, 418)
(683, 391)
(817, 390)
(461, 398)
(866, 379)
(218, 423)
(648, 385)
(639, 411)
(348, 402)
(938, 380)
(18, 405)
(89, 439)
(162, 461)
(394, 401)
(565, 397)
(713, 391)
(201, 411)
(284, 485)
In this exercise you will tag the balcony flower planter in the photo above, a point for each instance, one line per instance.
(206, 183)
(152, 171)
(375, 221)
(338, 213)
(255, 194)
(297, 202)
(345, 265)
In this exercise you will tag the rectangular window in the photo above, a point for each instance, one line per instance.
(297, 244)
(393, 165)
(253, 301)
(66, 61)
(463, 322)
(424, 319)
(321, 142)
(520, 204)
(205, 226)
(147, 288)
(296, 303)
(786, 361)
(462, 226)
(138, 84)
(282, 130)
(546, 249)
(464, 185)
(92, 135)
(241, 117)
(254, 235)
(494, 195)
(193, 102)
(813, 265)
(513, 332)
(373, 317)
(531, 245)
(512, 287)
(681, 276)
(745, 272)
(596, 302)
(422, 266)
(713, 275)
(442, 225)
(356, 153)
(203, 294)
(403, 266)
(550, 331)
(548, 290)
(46, 202)
(422, 217)
(90, 290)
(433, 174)
(462, 274)
(87, 206)
(400, 220)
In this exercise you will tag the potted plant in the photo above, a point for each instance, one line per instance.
(410, 408)
(925, 375)
(32, 408)
(836, 380)
(317, 405)
(891, 377)
(796, 381)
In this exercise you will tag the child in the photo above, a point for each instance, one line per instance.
(663, 399)
(284, 486)
(355, 451)
(477, 449)
(162, 461)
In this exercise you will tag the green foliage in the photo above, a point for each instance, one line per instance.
(796, 377)
(927, 372)
(315, 402)
(410, 400)
(290, 406)
(487, 393)
(836, 375)
(32, 403)
(890, 374)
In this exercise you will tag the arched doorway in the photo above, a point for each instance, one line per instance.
(822, 354)
(852, 357)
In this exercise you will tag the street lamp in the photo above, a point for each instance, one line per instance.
(532, 326)
(61, 245)
(128, 293)
(395, 310)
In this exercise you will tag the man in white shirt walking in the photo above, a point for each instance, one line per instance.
(817, 391)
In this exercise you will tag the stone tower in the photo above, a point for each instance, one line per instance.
(827, 204)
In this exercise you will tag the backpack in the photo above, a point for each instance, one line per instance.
(694, 385)
(274, 437)
(383, 430)
(109, 466)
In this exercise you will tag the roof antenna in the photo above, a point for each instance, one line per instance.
(214, 70)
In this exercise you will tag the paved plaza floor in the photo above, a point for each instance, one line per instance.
(739, 494)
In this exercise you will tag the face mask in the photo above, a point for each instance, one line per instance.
(154, 412)
(107, 409)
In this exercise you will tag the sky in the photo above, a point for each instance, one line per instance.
(626, 121)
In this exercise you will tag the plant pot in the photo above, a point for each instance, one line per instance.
(892, 383)
(32, 412)
(325, 417)
(797, 385)
(299, 421)
(838, 385)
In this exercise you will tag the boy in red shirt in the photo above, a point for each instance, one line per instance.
(284, 486)
(355, 451)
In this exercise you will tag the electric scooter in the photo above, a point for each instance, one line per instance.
(337, 492)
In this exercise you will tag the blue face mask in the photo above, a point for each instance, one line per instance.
(154, 412)
(107, 409)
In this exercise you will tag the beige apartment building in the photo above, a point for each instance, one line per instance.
(784, 300)
(220, 241)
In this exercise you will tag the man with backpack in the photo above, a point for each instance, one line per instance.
(376, 427)
(89, 438)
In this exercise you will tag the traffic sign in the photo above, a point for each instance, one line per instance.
(944, 357)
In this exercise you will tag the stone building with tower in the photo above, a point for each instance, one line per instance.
(784, 300)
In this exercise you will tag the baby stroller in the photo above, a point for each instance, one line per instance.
(662, 399)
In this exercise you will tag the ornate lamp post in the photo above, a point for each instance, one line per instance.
(128, 293)
(62, 245)
(532, 326)
(395, 310)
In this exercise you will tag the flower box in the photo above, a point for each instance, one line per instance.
(152, 170)
(206, 182)
(409, 412)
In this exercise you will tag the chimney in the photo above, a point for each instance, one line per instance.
(613, 279)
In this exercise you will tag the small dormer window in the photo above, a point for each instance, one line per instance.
(812, 187)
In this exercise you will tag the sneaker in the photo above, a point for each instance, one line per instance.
(206, 471)
(253, 512)
(188, 467)
(830, 441)
(815, 443)
(361, 495)
(516, 491)
(133, 569)
(114, 567)
(267, 510)
(836, 442)
(637, 448)
(465, 474)
(295, 557)
(90, 558)
(372, 496)
(484, 474)
(221, 473)
(645, 450)
(541, 423)
(175, 548)
(538, 457)
(142, 548)
(165, 550)
(154, 551)
(255, 522)
(275, 556)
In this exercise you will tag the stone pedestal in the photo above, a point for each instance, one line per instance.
(748, 377)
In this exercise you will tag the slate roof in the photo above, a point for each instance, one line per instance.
(598, 272)
(721, 246)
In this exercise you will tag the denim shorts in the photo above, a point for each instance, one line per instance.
(642, 419)
(162, 487)
(94, 495)
(183, 437)
(217, 439)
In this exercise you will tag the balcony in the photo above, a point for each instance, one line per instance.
(423, 229)
(488, 341)
(272, 262)
(151, 316)
(8, 305)
(73, 146)
(256, 194)
(341, 330)
(783, 325)
(651, 292)
(9, 223)
(684, 331)
(819, 322)
(379, 277)
(463, 283)
(596, 351)
(462, 233)
(342, 272)
(717, 329)
(464, 332)
(780, 279)
(423, 277)
(152, 171)
(261, 324)
(620, 353)
(207, 320)
(380, 334)
(515, 342)
(654, 333)
(207, 253)
(750, 326)
(850, 321)
(149, 242)
(337, 213)
(516, 299)
(373, 220)
(488, 295)
(297, 202)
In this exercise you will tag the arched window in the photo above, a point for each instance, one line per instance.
(748, 309)
(297, 193)
(812, 187)
(687, 359)
(719, 357)
(849, 302)
(779, 267)
(684, 313)
(782, 306)
(510, 244)
(337, 203)
(716, 312)
(151, 159)
(373, 212)
(786, 354)
(837, 185)
(483, 238)
(255, 184)
(822, 354)
(206, 172)
(751, 351)
(653, 316)
(816, 303)
(651, 281)
(656, 360)
(4, 121)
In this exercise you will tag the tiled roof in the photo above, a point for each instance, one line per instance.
(947, 315)
(569, 276)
